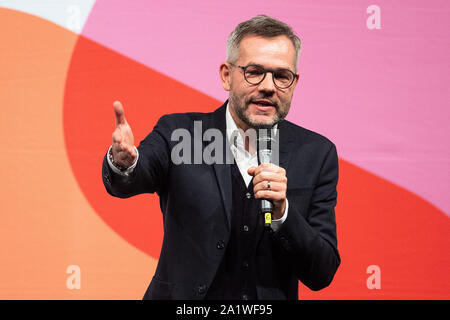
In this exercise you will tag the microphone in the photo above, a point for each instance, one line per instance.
(264, 151)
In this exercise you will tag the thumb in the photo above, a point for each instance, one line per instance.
(119, 113)
(251, 171)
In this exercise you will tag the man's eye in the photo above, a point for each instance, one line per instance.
(283, 75)
(255, 72)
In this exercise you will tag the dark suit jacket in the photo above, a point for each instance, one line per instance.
(196, 202)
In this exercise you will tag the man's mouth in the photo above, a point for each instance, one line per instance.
(263, 104)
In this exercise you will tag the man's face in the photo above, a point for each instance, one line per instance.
(263, 104)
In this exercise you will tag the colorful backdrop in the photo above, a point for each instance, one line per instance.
(374, 78)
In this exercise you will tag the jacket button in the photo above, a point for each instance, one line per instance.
(285, 243)
(201, 289)
(220, 245)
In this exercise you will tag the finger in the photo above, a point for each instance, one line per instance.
(120, 146)
(133, 153)
(269, 176)
(268, 167)
(125, 147)
(263, 168)
(117, 148)
(130, 150)
(264, 185)
(116, 136)
(251, 171)
(270, 195)
(274, 186)
(119, 113)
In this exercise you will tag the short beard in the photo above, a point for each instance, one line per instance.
(241, 113)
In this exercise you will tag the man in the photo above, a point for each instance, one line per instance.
(215, 245)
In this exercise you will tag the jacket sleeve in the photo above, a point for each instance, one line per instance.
(309, 240)
(150, 171)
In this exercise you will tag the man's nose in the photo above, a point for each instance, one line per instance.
(267, 85)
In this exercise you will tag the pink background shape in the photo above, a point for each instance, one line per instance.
(380, 95)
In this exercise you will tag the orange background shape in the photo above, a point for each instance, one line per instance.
(46, 223)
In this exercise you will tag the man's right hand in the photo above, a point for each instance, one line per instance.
(123, 150)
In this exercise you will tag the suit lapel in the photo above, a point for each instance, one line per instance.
(223, 171)
(286, 138)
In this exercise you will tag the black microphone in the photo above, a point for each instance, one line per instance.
(264, 151)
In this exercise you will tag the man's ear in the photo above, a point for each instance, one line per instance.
(294, 85)
(225, 75)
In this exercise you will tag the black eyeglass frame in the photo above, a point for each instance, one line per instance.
(272, 71)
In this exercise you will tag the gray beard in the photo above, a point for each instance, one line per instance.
(241, 113)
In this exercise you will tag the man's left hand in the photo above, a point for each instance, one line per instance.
(270, 182)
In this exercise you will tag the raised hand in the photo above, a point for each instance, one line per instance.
(123, 150)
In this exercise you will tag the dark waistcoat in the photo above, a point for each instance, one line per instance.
(236, 276)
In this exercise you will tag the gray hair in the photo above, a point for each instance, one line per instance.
(263, 26)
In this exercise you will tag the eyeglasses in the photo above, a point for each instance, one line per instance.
(255, 74)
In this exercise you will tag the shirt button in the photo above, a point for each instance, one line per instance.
(201, 289)
(248, 195)
(220, 245)
(246, 228)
